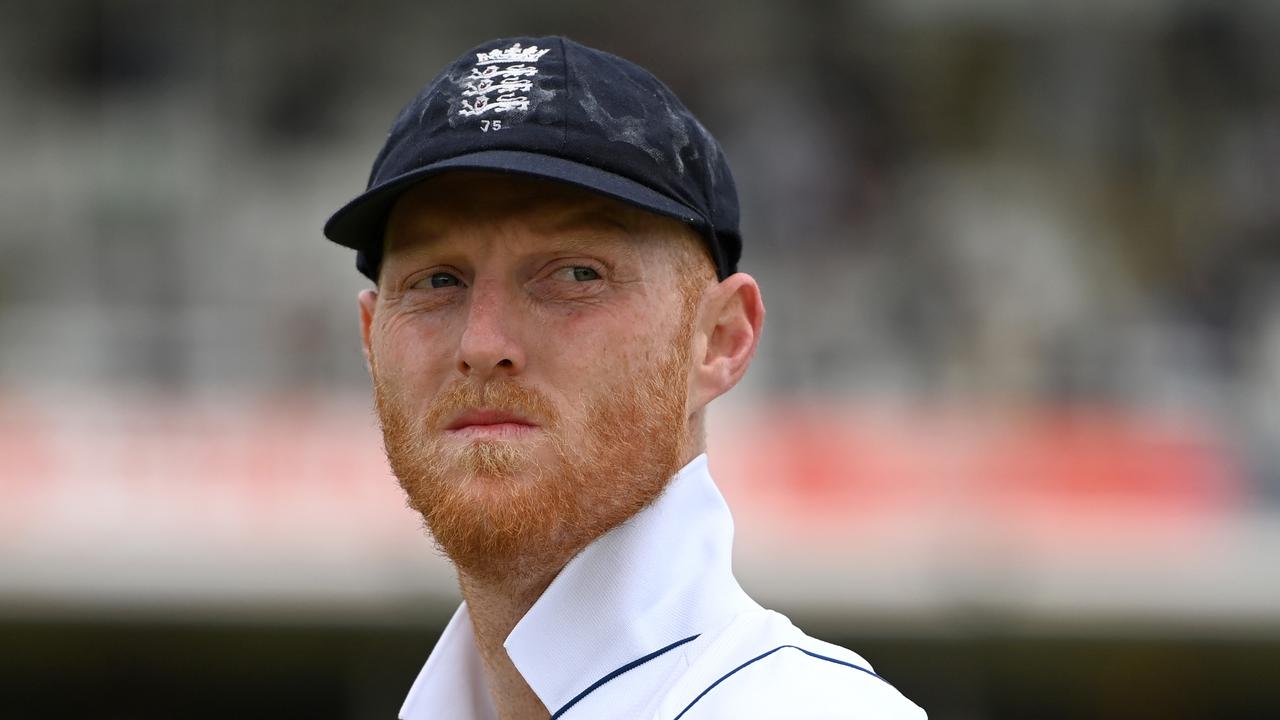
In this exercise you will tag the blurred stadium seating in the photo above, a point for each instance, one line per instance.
(1013, 433)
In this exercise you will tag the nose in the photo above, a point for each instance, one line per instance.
(489, 346)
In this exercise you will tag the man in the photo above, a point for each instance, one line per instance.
(554, 242)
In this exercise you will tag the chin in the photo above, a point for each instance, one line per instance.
(496, 460)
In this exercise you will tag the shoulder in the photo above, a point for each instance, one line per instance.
(761, 666)
(792, 681)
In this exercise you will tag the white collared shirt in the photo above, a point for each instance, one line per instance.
(648, 622)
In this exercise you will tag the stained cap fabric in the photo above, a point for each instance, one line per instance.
(555, 109)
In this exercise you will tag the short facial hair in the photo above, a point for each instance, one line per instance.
(500, 515)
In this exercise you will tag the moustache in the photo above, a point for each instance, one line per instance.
(502, 395)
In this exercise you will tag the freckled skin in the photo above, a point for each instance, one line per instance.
(511, 252)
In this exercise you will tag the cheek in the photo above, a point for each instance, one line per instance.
(410, 349)
(589, 353)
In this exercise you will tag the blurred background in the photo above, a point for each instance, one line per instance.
(1013, 433)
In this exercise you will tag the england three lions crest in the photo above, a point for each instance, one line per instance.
(500, 84)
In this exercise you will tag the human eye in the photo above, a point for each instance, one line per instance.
(436, 280)
(579, 273)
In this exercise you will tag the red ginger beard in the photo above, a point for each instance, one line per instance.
(502, 516)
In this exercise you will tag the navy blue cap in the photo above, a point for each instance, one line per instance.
(555, 109)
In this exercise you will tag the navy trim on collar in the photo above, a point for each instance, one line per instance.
(625, 668)
(765, 655)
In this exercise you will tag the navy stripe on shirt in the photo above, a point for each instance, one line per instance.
(625, 668)
(765, 655)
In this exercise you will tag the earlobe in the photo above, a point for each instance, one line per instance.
(368, 301)
(733, 316)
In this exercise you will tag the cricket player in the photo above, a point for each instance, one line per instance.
(554, 243)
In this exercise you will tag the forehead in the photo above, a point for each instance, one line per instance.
(442, 207)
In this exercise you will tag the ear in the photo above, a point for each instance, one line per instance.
(730, 318)
(368, 300)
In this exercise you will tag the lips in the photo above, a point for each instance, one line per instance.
(489, 420)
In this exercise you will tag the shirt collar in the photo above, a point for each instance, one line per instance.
(452, 683)
(662, 576)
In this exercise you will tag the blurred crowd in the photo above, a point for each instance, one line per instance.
(989, 205)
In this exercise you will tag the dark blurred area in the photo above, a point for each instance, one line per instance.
(1050, 229)
(141, 671)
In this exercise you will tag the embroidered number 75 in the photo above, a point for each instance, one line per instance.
(487, 125)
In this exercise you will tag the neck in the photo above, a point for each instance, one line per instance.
(495, 607)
